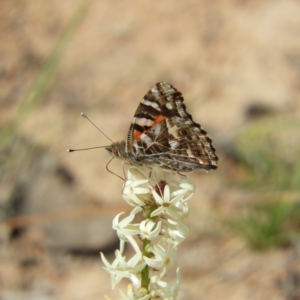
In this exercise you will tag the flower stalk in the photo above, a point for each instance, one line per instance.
(145, 271)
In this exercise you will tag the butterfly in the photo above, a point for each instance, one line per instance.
(163, 134)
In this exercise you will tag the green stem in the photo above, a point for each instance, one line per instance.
(145, 272)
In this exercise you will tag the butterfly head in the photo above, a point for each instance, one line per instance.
(117, 149)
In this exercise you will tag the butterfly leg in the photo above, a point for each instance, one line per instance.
(182, 175)
(111, 171)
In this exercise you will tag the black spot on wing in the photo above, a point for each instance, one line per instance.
(138, 127)
(146, 111)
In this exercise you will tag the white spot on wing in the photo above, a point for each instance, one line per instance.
(189, 152)
(173, 144)
(154, 89)
(157, 129)
(169, 105)
(172, 129)
(145, 138)
(142, 121)
(152, 104)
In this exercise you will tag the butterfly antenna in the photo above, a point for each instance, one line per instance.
(86, 117)
(83, 149)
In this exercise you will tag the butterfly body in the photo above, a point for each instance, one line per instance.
(162, 134)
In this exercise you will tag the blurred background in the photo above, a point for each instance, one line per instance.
(237, 64)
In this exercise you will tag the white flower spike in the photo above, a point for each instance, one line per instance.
(164, 207)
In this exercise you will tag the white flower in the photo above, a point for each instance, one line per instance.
(110, 268)
(124, 227)
(141, 294)
(167, 205)
(162, 258)
(125, 230)
(135, 192)
(177, 231)
(136, 187)
(120, 269)
(184, 188)
(160, 288)
(147, 231)
(132, 268)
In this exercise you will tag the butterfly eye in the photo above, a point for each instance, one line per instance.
(116, 152)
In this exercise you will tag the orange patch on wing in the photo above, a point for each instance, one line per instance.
(159, 119)
(137, 134)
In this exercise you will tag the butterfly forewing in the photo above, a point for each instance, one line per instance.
(162, 134)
